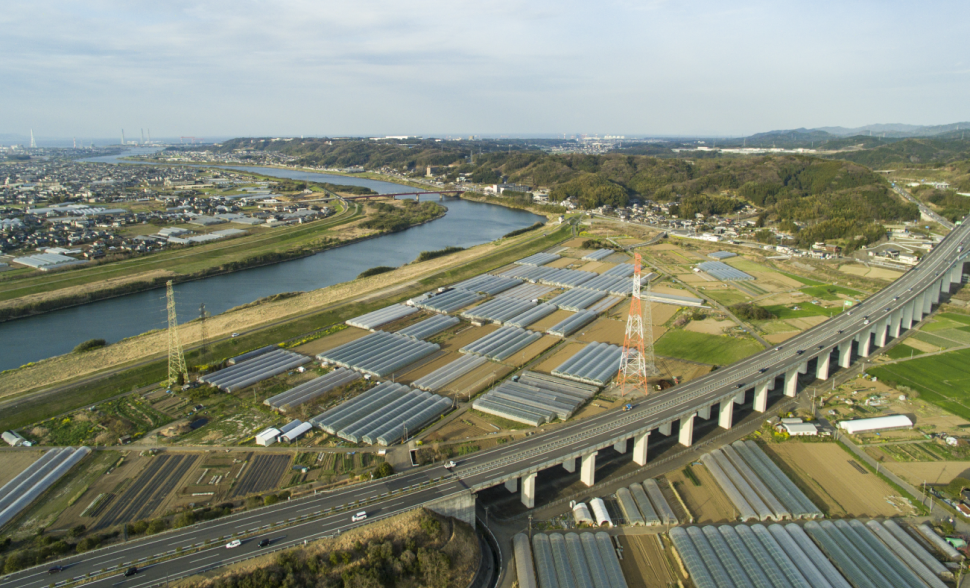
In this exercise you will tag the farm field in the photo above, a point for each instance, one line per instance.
(14, 462)
(143, 496)
(805, 309)
(940, 472)
(836, 482)
(706, 502)
(644, 562)
(261, 474)
(939, 379)
(703, 348)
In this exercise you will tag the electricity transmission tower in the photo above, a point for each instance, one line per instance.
(637, 360)
(176, 359)
(204, 350)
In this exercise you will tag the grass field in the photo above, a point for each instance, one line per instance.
(703, 348)
(806, 281)
(830, 292)
(902, 352)
(727, 297)
(942, 379)
(804, 309)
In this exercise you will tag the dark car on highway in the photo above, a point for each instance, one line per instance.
(55, 569)
(131, 571)
(263, 543)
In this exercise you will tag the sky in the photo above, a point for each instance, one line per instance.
(436, 68)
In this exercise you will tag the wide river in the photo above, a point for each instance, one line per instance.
(55, 333)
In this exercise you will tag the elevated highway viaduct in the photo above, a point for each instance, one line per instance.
(812, 355)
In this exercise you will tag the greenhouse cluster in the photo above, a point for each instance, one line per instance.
(310, 391)
(379, 353)
(538, 259)
(577, 299)
(722, 271)
(621, 286)
(581, 560)
(446, 302)
(526, 292)
(447, 374)
(498, 310)
(429, 327)
(534, 314)
(487, 284)
(382, 415)
(502, 343)
(570, 325)
(535, 399)
(29, 484)
(257, 369)
(567, 278)
(596, 363)
(372, 320)
(598, 255)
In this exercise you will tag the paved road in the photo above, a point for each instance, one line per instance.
(924, 209)
(483, 469)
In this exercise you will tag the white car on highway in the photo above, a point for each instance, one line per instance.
(233, 543)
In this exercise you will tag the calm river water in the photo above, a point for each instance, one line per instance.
(466, 224)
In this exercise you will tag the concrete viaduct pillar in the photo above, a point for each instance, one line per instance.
(865, 342)
(665, 429)
(529, 491)
(512, 485)
(587, 469)
(881, 333)
(620, 446)
(822, 366)
(725, 416)
(640, 448)
(956, 274)
(803, 369)
(687, 430)
(791, 381)
(896, 323)
(845, 354)
(704, 413)
(907, 322)
(761, 396)
(570, 465)
(935, 290)
(927, 302)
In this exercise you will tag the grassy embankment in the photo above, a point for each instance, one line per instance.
(703, 348)
(178, 264)
(36, 408)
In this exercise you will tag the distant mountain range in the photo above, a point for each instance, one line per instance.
(899, 131)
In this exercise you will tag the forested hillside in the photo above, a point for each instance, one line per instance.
(911, 151)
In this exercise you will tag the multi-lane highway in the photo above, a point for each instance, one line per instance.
(421, 486)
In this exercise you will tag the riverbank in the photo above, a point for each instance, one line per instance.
(80, 290)
(139, 361)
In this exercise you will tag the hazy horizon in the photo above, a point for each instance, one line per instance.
(655, 68)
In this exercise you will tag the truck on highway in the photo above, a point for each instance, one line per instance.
(627, 407)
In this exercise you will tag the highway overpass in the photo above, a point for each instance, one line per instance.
(812, 355)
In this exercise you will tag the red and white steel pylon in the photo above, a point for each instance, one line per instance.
(636, 362)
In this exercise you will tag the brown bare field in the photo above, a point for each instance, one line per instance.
(556, 359)
(603, 330)
(877, 273)
(532, 350)
(597, 267)
(709, 326)
(406, 321)
(332, 341)
(62, 367)
(644, 562)
(920, 345)
(936, 472)
(574, 252)
(456, 540)
(466, 336)
(684, 370)
(475, 381)
(780, 337)
(807, 322)
(13, 462)
(707, 503)
(834, 484)
(562, 262)
(661, 313)
(577, 242)
(550, 321)
(469, 425)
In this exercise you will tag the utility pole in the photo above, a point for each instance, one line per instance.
(204, 350)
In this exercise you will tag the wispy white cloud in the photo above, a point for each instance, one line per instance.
(359, 67)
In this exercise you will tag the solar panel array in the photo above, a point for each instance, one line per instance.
(722, 271)
(382, 415)
(498, 310)
(538, 259)
(502, 343)
(309, 391)
(598, 255)
(254, 370)
(596, 363)
(429, 326)
(449, 301)
(487, 284)
(372, 320)
(535, 399)
(379, 353)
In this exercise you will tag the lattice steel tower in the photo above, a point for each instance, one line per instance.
(204, 349)
(176, 359)
(637, 360)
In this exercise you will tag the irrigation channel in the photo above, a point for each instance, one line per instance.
(55, 333)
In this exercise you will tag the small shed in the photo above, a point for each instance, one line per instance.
(267, 437)
(297, 432)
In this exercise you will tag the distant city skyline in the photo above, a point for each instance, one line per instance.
(656, 68)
